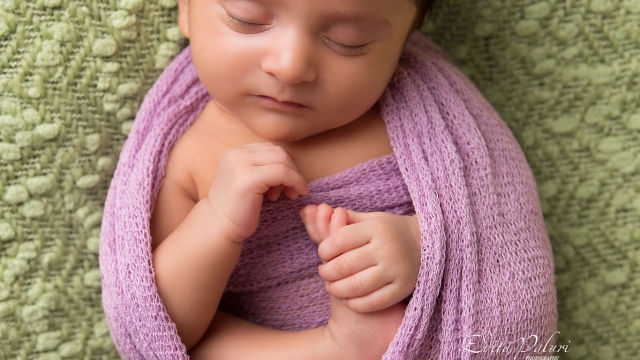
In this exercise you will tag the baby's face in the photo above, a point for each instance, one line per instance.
(333, 57)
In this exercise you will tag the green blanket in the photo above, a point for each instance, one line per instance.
(564, 75)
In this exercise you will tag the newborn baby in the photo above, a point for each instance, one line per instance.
(294, 86)
(301, 171)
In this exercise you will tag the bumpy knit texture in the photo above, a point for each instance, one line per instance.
(487, 265)
(72, 76)
(565, 75)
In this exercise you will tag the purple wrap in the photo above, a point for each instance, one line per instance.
(487, 271)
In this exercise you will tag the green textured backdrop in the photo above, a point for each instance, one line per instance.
(73, 73)
(563, 74)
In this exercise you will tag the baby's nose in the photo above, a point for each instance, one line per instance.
(291, 59)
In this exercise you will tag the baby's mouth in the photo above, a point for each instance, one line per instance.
(283, 105)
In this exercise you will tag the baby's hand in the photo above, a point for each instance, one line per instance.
(372, 259)
(244, 175)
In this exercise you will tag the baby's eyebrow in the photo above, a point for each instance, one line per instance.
(365, 17)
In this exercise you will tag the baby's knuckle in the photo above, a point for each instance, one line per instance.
(342, 265)
(281, 155)
(250, 175)
(282, 170)
(357, 285)
(337, 239)
(244, 181)
(375, 226)
(375, 303)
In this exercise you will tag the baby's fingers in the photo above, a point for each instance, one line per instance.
(271, 154)
(382, 298)
(323, 221)
(279, 174)
(344, 239)
(308, 216)
(347, 264)
(320, 221)
(359, 284)
(274, 192)
(338, 219)
(290, 192)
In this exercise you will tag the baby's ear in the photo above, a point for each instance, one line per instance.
(183, 17)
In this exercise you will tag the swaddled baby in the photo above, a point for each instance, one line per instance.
(294, 86)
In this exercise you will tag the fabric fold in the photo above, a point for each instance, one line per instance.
(487, 271)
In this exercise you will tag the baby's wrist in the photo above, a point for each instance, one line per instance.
(217, 226)
(328, 348)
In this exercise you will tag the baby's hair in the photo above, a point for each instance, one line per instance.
(423, 8)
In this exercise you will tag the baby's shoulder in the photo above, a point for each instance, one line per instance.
(178, 192)
(178, 168)
(174, 199)
(194, 157)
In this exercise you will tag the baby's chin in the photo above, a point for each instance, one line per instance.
(281, 131)
(276, 136)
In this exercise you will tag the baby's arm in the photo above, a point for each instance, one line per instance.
(348, 336)
(192, 264)
(196, 245)
(192, 268)
(230, 337)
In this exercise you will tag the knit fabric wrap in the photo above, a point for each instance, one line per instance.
(275, 282)
(486, 275)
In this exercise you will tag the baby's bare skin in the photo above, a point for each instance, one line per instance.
(201, 146)
(348, 336)
(194, 158)
(191, 169)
